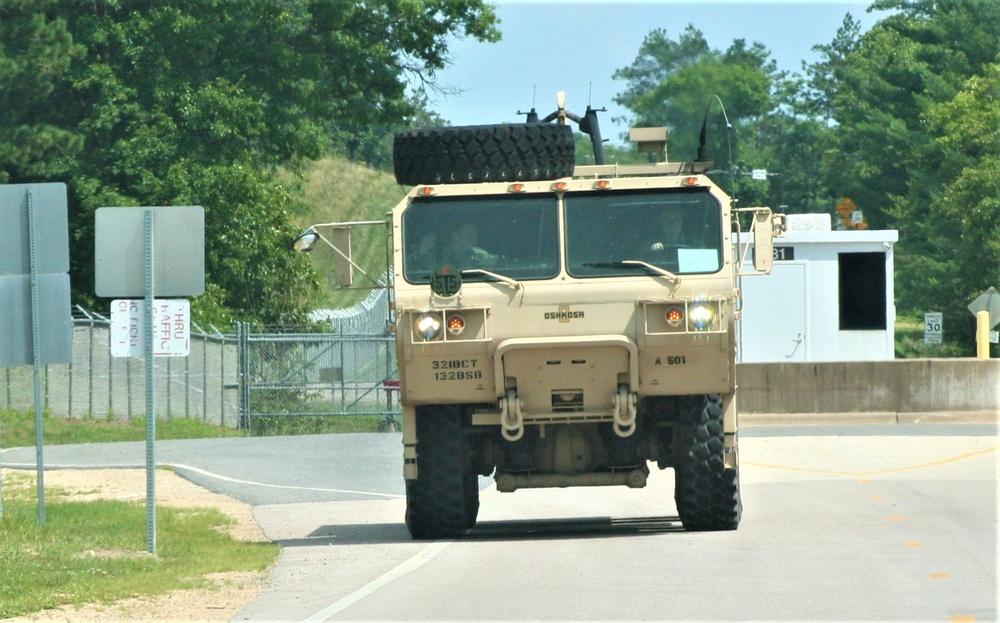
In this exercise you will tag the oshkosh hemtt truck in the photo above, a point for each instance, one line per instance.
(561, 325)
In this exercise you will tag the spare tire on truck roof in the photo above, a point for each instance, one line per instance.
(516, 152)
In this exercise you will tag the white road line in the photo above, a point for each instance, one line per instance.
(50, 466)
(418, 560)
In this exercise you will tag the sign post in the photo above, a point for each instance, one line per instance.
(36, 327)
(171, 241)
(150, 392)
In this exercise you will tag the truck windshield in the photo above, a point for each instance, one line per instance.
(515, 236)
(678, 230)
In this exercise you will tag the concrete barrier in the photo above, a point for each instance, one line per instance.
(899, 390)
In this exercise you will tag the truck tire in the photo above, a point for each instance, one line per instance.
(706, 492)
(471, 499)
(518, 152)
(436, 501)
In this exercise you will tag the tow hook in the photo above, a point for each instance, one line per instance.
(624, 412)
(512, 416)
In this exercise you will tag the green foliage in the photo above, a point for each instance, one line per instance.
(672, 83)
(746, 105)
(18, 429)
(917, 149)
(94, 552)
(134, 103)
(902, 119)
(909, 343)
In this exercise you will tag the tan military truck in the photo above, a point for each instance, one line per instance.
(561, 325)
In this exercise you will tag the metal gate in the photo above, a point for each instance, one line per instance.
(292, 376)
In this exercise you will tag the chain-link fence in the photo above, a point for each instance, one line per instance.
(201, 386)
(291, 381)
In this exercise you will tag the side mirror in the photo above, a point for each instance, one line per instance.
(305, 241)
(340, 241)
(343, 266)
(763, 241)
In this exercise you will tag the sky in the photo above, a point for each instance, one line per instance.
(577, 46)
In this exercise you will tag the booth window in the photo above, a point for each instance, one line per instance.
(862, 291)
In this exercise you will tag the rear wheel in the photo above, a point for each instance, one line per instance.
(437, 501)
(706, 492)
(483, 153)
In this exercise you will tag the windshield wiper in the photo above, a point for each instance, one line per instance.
(637, 264)
(501, 278)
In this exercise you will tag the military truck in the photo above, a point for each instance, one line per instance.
(561, 325)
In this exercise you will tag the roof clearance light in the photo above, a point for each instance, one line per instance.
(456, 324)
(516, 188)
(427, 191)
(602, 184)
(559, 186)
(702, 317)
(690, 181)
(674, 316)
(429, 327)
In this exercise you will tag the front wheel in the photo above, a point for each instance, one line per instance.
(707, 493)
(437, 501)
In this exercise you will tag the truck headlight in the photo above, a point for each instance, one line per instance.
(428, 326)
(701, 316)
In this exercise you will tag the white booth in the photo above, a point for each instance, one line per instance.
(829, 297)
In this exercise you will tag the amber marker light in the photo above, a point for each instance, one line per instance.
(559, 186)
(456, 324)
(602, 184)
(516, 188)
(674, 316)
(427, 191)
(690, 181)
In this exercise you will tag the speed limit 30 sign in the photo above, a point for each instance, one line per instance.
(932, 328)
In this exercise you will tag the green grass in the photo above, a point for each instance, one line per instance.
(335, 190)
(909, 342)
(95, 551)
(17, 428)
(265, 425)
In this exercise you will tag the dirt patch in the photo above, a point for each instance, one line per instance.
(220, 602)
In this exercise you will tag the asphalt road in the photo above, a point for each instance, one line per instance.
(861, 523)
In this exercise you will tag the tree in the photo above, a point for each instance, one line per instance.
(915, 103)
(684, 84)
(126, 99)
(918, 56)
(953, 252)
(672, 83)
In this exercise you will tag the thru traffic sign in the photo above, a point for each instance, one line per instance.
(171, 333)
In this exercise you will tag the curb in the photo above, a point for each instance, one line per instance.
(876, 417)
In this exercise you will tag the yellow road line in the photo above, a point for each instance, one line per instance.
(953, 459)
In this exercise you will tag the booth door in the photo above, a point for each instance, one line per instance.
(773, 324)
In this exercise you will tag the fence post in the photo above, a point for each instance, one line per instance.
(242, 375)
(222, 382)
(69, 382)
(90, 366)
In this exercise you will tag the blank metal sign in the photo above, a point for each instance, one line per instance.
(178, 251)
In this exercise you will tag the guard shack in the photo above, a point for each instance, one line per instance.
(829, 297)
